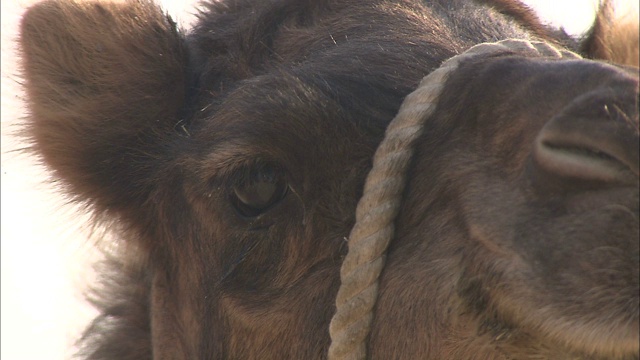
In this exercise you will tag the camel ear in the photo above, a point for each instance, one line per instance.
(614, 37)
(105, 84)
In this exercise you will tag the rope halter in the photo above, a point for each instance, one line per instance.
(381, 200)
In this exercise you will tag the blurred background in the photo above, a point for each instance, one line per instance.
(45, 251)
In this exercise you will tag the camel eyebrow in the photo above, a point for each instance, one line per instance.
(224, 162)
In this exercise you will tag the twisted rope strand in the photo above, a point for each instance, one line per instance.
(381, 200)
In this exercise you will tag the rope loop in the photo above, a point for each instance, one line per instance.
(381, 200)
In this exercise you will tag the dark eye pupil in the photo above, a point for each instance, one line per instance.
(256, 194)
(258, 190)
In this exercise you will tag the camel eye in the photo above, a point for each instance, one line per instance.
(258, 189)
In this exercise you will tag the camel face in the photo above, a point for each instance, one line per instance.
(230, 159)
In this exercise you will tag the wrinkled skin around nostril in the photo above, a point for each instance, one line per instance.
(595, 137)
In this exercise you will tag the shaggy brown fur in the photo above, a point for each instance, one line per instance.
(230, 160)
(614, 37)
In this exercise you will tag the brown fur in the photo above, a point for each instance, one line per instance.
(499, 252)
(614, 37)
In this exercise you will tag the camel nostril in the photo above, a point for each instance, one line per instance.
(584, 161)
(595, 138)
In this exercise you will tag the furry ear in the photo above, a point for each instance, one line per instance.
(613, 37)
(105, 84)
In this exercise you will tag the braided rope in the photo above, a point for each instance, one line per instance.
(382, 196)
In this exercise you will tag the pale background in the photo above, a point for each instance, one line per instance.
(45, 252)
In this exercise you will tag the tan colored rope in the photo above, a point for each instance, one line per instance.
(380, 202)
